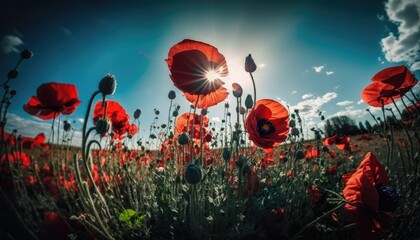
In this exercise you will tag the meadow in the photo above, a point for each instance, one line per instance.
(257, 175)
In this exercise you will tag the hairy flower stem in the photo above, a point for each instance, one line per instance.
(169, 119)
(192, 129)
(408, 135)
(388, 155)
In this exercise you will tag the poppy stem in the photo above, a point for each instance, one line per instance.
(255, 90)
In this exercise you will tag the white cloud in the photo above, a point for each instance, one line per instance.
(344, 103)
(293, 92)
(403, 46)
(329, 73)
(415, 66)
(10, 43)
(360, 102)
(308, 108)
(352, 113)
(318, 69)
(307, 95)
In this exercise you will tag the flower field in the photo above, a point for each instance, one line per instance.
(256, 175)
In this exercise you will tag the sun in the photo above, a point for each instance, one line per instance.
(212, 75)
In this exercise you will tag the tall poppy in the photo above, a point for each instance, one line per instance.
(267, 124)
(51, 99)
(377, 93)
(30, 143)
(196, 68)
(192, 121)
(116, 113)
(371, 199)
(399, 77)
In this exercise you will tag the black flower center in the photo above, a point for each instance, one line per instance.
(265, 127)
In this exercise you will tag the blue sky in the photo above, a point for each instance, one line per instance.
(311, 55)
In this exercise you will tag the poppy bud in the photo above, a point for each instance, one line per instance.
(300, 155)
(26, 54)
(175, 113)
(242, 110)
(157, 112)
(137, 113)
(250, 64)
(108, 84)
(12, 74)
(203, 112)
(322, 118)
(292, 123)
(293, 116)
(163, 125)
(183, 139)
(192, 174)
(102, 125)
(249, 102)
(226, 105)
(171, 95)
(295, 132)
(226, 154)
(67, 126)
(236, 90)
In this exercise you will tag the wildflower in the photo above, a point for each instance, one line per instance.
(250, 65)
(371, 199)
(267, 123)
(196, 68)
(53, 98)
(116, 113)
(107, 85)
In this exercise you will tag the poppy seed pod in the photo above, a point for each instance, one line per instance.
(295, 131)
(204, 112)
(107, 85)
(192, 174)
(171, 95)
(250, 64)
(183, 139)
(249, 102)
(26, 54)
(242, 111)
(292, 123)
(226, 105)
(237, 90)
(300, 155)
(67, 126)
(226, 154)
(175, 113)
(137, 113)
(102, 125)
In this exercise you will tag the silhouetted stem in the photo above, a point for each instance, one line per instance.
(255, 90)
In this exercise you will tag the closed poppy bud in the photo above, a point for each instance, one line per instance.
(171, 95)
(250, 64)
(226, 154)
(242, 110)
(102, 125)
(12, 74)
(236, 90)
(26, 54)
(292, 123)
(157, 112)
(249, 102)
(226, 105)
(137, 113)
(295, 131)
(183, 139)
(300, 155)
(175, 113)
(192, 174)
(67, 126)
(204, 112)
(108, 84)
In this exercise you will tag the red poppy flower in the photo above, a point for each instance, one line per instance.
(30, 143)
(370, 198)
(116, 113)
(208, 100)
(267, 123)
(399, 77)
(133, 129)
(193, 121)
(377, 93)
(342, 143)
(191, 61)
(51, 99)
(22, 157)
